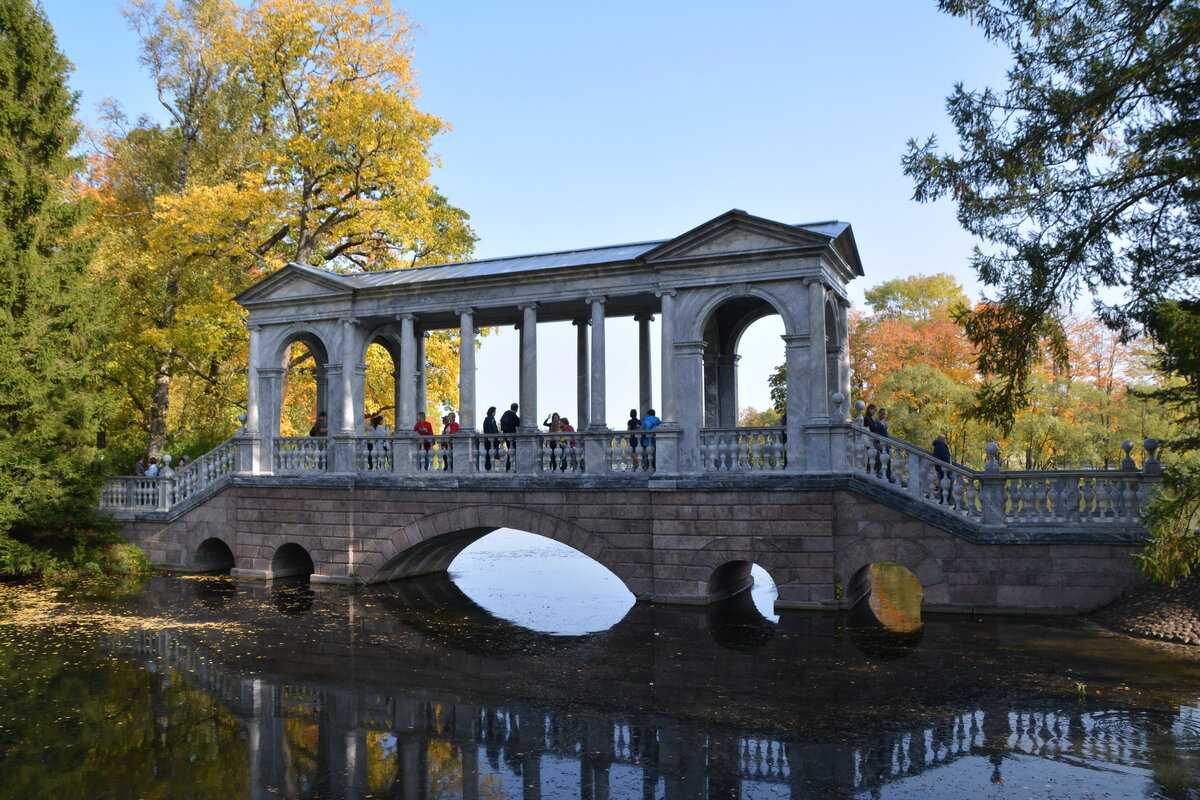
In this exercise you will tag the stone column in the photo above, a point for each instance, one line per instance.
(466, 370)
(583, 385)
(688, 389)
(529, 420)
(796, 356)
(250, 451)
(645, 384)
(599, 413)
(270, 380)
(406, 390)
(817, 378)
(422, 398)
(667, 330)
(843, 309)
(351, 422)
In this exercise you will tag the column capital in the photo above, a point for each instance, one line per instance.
(254, 327)
(581, 322)
(663, 291)
(596, 298)
(795, 338)
(643, 318)
(812, 279)
(348, 320)
(694, 348)
(464, 312)
(403, 317)
(533, 306)
(271, 372)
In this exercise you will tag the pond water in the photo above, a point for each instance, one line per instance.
(528, 675)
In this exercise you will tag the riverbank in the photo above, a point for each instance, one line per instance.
(1165, 613)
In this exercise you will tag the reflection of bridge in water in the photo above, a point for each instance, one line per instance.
(390, 712)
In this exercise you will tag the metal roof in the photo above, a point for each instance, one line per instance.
(509, 265)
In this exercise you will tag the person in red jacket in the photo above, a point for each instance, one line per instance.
(423, 428)
(449, 428)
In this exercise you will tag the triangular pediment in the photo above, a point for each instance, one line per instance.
(735, 232)
(296, 281)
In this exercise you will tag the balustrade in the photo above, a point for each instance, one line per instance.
(1064, 498)
(743, 449)
(994, 496)
(301, 454)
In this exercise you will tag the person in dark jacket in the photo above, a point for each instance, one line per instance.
(489, 427)
(509, 423)
(941, 451)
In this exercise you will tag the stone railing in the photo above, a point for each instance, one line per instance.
(163, 492)
(507, 454)
(993, 496)
(206, 470)
(743, 449)
(301, 454)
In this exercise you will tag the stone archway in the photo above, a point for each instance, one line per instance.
(854, 557)
(429, 544)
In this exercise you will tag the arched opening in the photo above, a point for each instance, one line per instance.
(213, 555)
(722, 332)
(304, 391)
(379, 385)
(761, 381)
(540, 584)
(885, 610)
(291, 560)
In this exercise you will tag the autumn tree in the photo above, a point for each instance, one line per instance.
(51, 319)
(292, 134)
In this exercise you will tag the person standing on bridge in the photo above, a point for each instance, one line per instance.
(450, 427)
(423, 428)
(634, 424)
(509, 423)
(321, 427)
(881, 428)
(377, 430)
(941, 451)
(489, 427)
(649, 423)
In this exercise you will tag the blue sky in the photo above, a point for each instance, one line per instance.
(579, 124)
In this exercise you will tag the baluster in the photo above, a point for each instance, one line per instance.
(1088, 496)
(722, 452)
(885, 462)
(1039, 500)
(777, 452)
(1127, 498)
(960, 503)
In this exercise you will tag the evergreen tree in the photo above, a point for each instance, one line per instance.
(50, 319)
(1080, 176)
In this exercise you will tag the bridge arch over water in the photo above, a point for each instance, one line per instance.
(430, 543)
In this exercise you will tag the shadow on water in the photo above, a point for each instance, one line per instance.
(737, 623)
(214, 593)
(293, 597)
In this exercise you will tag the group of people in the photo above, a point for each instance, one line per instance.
(875, 420)
(646, 423)
(155, 468)
(564, 450)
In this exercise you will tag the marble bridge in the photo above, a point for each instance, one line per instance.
(679, 515)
